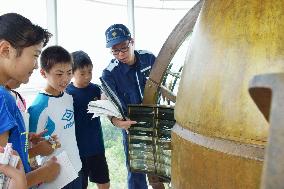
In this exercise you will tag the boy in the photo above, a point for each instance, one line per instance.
(20, 45)
(53, 108)
(88, 131)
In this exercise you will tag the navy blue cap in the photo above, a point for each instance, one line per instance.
(116, 34)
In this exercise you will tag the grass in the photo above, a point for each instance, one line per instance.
(115, 156)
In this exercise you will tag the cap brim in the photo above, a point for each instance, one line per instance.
(116, 41)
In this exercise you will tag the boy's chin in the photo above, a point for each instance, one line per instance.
(85, 85)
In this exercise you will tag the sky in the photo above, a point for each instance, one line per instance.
(82, 23)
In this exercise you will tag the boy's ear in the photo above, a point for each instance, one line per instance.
(5, 49)
(43, 73)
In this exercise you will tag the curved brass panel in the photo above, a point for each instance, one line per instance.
(197, 167)
(232, 42)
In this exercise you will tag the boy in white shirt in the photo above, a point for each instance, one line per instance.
(53, 108)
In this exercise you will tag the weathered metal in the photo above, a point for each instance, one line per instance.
(220, 135)
(261, 89)
(150, 139)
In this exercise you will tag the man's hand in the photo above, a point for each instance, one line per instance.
(121, 123)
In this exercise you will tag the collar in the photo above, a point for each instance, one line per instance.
(126, 68)
(51, 95)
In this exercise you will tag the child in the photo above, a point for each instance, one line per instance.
(53, 108)
(20, 45)
(37, 144)
(88, 131)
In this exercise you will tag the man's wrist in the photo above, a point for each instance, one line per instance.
(111, 120)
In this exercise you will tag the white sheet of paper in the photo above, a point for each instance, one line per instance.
(67, 173)
(103, 108)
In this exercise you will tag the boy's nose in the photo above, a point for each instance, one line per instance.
(66, 79)
(88, 76)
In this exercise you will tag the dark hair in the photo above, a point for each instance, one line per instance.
(80, 59)
(20, 32)
(54, 55)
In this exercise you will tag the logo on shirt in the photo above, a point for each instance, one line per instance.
(68, 116)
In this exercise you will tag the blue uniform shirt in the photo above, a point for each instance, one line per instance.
(88, 130)
(128, 82)
(11, 120)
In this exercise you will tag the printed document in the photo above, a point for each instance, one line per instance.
(67, 173)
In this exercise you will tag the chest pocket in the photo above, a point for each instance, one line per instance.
(131, 97)
(146, 71)
(127, 96)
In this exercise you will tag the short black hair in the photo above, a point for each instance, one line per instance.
(54, 55)
(20, 32)
(80, 59)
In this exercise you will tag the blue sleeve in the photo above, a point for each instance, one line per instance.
(107, 76)
(6, 119)
(100, 95)
(35, 111)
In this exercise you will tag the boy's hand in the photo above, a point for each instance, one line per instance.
(17, 175)
(46, 173)
(34, 138)
(43, 148)
(52, 169)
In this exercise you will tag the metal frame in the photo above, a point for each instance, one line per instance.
(170, 47)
